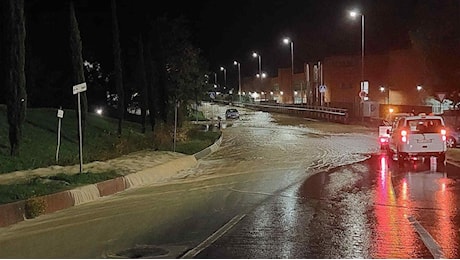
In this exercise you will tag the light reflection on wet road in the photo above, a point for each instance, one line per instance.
(368, 209)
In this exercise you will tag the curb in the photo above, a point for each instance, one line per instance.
(14, 212)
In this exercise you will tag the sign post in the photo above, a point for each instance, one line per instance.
(60, 115)
(322, 90)
(77, 89)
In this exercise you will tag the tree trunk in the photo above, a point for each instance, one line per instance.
(117, 67)
(77, 64)
(151, 90)
(15, 77)
(143, 83)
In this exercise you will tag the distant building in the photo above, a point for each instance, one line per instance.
(392, 78)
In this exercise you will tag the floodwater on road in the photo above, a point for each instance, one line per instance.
(277, 187)
(353, 201)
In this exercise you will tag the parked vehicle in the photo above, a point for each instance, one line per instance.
(419, 137)
(453, 136)
(384, 136)
(385, 129)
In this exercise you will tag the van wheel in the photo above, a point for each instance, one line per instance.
(450, 142)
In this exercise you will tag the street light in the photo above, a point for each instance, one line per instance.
(225, 75)
(256, 55)
(382, 89)
(236, 63)
(354, 14)
(262, 76)
(288, 41)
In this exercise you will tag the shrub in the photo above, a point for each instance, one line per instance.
(34, 207)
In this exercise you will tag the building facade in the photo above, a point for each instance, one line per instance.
(397, 77)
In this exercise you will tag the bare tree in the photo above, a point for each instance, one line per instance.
(77, 63)
(14, 71)
(151, 83)
(118, 71)
(143, 83)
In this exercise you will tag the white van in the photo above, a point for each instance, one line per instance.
(415, 137)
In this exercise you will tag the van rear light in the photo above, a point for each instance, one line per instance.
(403, 136)
(443, 133)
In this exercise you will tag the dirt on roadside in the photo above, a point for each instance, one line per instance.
(123, 165)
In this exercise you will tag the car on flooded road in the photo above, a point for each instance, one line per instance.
(232, 113)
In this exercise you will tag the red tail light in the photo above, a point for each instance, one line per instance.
(443, 133)
(403, 136)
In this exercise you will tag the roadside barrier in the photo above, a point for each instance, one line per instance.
(332, 114)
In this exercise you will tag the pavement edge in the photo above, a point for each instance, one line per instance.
(12, 213)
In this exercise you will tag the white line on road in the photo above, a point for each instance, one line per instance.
(427, 239)
(216, 235)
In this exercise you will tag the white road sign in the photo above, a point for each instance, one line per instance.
(79, 88)
(322, 88)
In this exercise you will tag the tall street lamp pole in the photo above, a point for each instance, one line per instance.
(288, 41)
(236, 63)
(256, 55)
(354, 14)
(225, 76)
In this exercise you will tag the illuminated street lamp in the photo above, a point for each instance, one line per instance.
(236, 63)
(288, 41)
(225, 75)
(382, 89)
(256, 55)
(264, 75)
(354, 14)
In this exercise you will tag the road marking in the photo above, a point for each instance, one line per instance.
(213, 238)
(427, 239)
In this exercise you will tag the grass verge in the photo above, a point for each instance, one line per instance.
(102, 142)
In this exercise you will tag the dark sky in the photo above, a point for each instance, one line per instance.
(228, 30)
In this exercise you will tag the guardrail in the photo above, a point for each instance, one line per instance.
(339, 115)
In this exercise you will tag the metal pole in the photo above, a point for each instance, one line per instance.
(292, 71)
(239, 80)
(80, 134)
(309, 101)
(175, 125)
(362, 48)
(260, 66)
(362, 63)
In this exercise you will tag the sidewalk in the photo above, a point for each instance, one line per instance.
(137, 169)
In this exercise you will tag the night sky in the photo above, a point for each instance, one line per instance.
(229, 30)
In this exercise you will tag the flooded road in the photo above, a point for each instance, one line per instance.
(367, 208)
(370, 209)
(278, 187)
